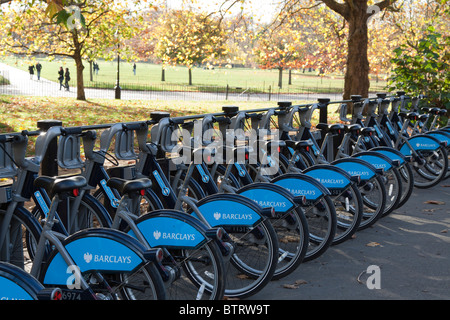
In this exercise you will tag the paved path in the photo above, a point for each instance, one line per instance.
(22, 85)
(411, 247)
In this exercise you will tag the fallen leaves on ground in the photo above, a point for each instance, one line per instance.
(294, 285)
(434, 202)
(373, 244)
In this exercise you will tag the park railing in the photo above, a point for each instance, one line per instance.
(165, 91)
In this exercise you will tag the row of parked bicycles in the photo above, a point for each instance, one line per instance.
(205, 206)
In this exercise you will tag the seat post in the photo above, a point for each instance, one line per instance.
(49, 165)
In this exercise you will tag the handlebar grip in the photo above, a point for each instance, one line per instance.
(176, 121)
(222, 120)
(69, 131)
(134, 126)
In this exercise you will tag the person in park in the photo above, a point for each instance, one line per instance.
(38, 69)
(134, 69)
(31, 70)
(67, 79)
(61, 77)
(96, 68)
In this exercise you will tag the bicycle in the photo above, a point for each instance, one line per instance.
(182, 259)
(238, 241)
(319, 211)
(92, 277)
(429, 157)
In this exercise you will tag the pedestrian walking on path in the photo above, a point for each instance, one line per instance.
(67, 79)
(31, 70)
(38, 69)
(61, 77)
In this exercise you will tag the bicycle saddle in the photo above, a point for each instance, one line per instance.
(352, 127)
(297, 145)
(367, 131)
(330, 127)
(54, 185)
(434, 111)
(412, 115)
(129, 186)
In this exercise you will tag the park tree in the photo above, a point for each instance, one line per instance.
(356, 14)
(85, 30)
(421, 61)
(189, 38)
(278, 49)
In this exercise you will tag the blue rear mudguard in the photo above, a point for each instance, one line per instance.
(271, 195)
(357, 168)
(331, 177)
(229, 210)
(300, 184)
(420, 142)
(16, 284)
(172, 229)
(99, 249)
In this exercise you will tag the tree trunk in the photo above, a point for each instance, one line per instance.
(91, 74)
(190, 76)
(163, 74)
(79, 65)
(280, 78)
(357, 72)
(290, 77)
(80, 81)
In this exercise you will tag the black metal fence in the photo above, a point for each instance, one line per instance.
(96, 90)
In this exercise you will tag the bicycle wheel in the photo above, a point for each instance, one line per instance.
(322, 223)
(433, 170)
(293, 239)
(21, 238)
(199, 273)
(374, 198)
(148, 202)
(90, 214)
(146, 284)
(393, 185)
(254, 259)
(291, 229)
(349, 212)
(407, 178)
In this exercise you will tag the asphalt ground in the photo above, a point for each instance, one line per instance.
(404, 256)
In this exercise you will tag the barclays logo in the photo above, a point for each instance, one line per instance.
(232, 216)
(173, 236)
(87, 257)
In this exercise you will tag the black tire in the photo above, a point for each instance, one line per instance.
(254, 260)
(91, 214)
(433, 171)
(200, 274)
(293, 240)
(349, 213)
(407, 178)
(148, 203)
(21, 238)
(393, 184)
(374, 198)
(322, 223)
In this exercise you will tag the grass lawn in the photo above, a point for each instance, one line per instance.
(150, 75)
(23, 113)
